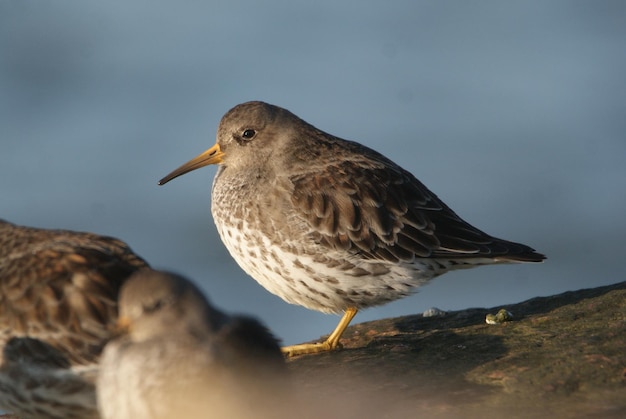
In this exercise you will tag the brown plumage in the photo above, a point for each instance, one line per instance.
(58, 303)
(328, 223)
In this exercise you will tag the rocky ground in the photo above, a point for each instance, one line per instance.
(561, 356)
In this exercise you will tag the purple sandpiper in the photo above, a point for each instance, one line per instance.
(330, 224)
(58, 305)
(178, 356)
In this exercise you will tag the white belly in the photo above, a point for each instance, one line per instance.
(310, 281)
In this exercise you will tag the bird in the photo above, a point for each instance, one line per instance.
(330, 224)
(176, 355)
(58, 306)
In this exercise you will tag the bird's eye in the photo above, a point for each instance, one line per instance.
(248, 134)
(153, 306)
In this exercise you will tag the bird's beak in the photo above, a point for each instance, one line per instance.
(212, 156)
(122, 326)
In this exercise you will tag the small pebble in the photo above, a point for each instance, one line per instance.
(434, 312)
(501, 317)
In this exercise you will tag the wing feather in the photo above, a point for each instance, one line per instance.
(378, 210)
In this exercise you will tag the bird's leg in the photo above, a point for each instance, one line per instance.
(329, 344)
(333, 339)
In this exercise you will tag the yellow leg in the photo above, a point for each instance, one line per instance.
(329, 344)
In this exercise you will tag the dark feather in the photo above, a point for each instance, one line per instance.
(61, 287)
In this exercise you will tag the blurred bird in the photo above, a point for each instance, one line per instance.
(58, 305)
(178, 356)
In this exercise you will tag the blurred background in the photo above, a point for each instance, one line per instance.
(513, 113)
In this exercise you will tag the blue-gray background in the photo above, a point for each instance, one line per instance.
(513, 113)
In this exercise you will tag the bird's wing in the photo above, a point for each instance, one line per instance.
(382, 212)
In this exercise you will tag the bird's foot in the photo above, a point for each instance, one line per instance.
(330, 344)
(310, 348)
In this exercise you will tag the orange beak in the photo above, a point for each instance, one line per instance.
(122, 326)
(212, 156)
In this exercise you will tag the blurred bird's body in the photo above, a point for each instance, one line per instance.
(58, 303)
